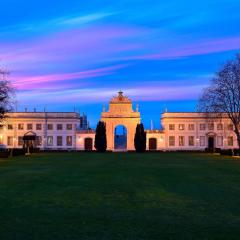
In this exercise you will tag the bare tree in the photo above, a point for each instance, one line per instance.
(222, 97)
(6, 94)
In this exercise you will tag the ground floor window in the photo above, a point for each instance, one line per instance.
(220, 141)
(202, 141)
(38, 140)
(10, 141)
(181, 140)
(171, 141)
(50, 140)
(20, 141)
(69, 140)
(191, 140)
(59, 140)
(230, 141)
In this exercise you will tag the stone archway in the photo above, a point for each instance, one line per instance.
(120, 137)
(120, 112)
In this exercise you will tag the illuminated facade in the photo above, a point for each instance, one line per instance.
(52, 130)
(69, 130)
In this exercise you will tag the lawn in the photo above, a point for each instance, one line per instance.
(119, 196)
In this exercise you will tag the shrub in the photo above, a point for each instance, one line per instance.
(227, 152)
(100, 137)
(140, 138)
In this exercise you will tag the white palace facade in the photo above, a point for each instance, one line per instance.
(69, 130)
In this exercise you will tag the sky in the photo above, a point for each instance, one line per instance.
(64, 55)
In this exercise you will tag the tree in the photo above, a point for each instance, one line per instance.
(100, 137)
(222, 97)
(140, 138)
(6, 94)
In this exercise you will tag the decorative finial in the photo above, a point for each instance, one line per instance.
(120, 95)
(104, 108)
(136, 107)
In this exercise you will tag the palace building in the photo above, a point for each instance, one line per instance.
(69, 130)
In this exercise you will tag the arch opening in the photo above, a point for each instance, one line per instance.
(120, 137)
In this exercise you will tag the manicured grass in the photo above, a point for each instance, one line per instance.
(120, 196)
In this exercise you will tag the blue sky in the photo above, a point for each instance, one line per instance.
(66, 54)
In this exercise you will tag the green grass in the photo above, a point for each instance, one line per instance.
(120, 196)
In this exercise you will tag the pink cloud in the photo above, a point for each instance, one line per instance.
(29, 82)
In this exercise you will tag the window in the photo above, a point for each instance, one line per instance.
(20, 126)
(220, 141)
(59, 140)
(50, 140)
(29, 126)
(10, 127)
(191, 127)
(50, 127)
(202, 141)
(210, 126)
(10, 141)
(171, 127)
(59, 127)
(230, 141)
(1, 126)
(69, 140)
(171, 140)
(181, 140)
(202, 126)
(69, 126)
(1, 139)
(181, 127)
(191, 140)
(230, 127)
(20, 141)
(39, 140)
(38, 126)
(220, 126)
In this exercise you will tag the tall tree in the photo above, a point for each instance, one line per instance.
(6, 94)
(140, 138)
(100, 137)
(222, 97)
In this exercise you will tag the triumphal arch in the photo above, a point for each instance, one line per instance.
(120, 112)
